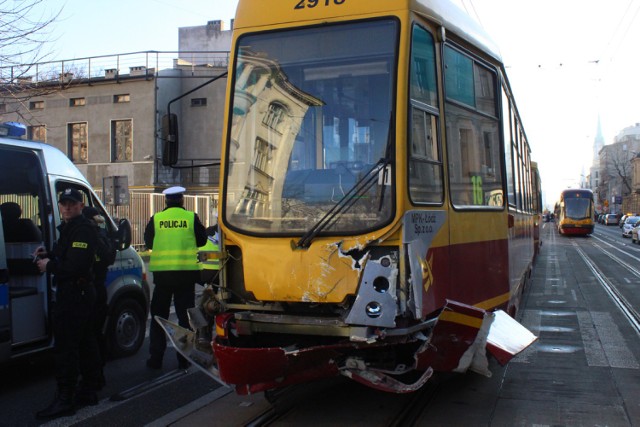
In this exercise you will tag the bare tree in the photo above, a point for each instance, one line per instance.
(23, 31)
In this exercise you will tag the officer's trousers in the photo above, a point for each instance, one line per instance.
(179, 285)
(75, 348)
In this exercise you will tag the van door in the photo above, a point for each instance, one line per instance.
(23, 206)
(5, 315)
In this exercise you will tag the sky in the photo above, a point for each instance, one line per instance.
(569, 62)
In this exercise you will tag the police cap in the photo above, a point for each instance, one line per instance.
(174, 193)
(70, 194)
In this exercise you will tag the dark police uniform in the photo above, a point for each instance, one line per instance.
(100, 270)
(174, 236)
(75, 348)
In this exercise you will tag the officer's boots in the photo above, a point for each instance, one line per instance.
(63, 405)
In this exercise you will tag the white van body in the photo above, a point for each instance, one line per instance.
(31, 177)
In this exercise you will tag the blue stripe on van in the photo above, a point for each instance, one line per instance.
(4, 296)
(113, 274)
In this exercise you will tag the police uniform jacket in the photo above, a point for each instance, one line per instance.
(212, 245)
(174, 235)
(72, 257)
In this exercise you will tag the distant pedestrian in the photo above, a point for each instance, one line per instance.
(173, 236)
(76, 351)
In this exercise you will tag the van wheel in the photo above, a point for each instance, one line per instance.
(126, 329)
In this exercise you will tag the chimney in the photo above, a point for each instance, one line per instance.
(111, 73)
(215, 26)
(65, 77)
(139, 70)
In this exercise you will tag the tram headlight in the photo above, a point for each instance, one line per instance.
(381, 284)
(373, 309)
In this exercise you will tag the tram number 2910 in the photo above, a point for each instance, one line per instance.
(309, 4)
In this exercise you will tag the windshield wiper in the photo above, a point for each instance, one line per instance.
(361, 187)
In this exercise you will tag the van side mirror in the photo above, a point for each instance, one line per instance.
(170, 141)
(124, 234)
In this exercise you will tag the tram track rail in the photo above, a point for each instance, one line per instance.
(618, 299)
(289, 404)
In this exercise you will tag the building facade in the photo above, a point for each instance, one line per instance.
(110, 124)
(619, 180)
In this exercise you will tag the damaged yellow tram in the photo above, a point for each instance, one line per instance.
(377, 206)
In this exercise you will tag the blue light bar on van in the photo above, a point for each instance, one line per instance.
(13, 129)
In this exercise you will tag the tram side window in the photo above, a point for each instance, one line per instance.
(425, 166)
(423, 68)
(473, 134)
(425, 160)
(508, 149)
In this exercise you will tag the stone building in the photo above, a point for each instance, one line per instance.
(106, 112)
(619, 181)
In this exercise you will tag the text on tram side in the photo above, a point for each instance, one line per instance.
(309, 4)
(423, 223)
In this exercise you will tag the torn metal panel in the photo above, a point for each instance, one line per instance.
(386, 383)
(420, 228)
(507, 337)
(376, 302)
(183, 340)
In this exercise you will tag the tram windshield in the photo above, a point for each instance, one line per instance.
(577, 208)
(312, 113)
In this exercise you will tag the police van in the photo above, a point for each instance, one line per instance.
(32, 175)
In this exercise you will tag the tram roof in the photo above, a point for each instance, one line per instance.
(257, 13)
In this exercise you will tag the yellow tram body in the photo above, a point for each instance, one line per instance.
(375, 203)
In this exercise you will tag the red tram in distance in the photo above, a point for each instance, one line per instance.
(377, 202)
(575, 212)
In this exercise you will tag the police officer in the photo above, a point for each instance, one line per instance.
(174, 236)
(76, 350)
(211, 267)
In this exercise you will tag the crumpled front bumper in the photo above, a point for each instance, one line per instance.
(458, 341)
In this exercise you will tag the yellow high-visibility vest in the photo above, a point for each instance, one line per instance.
(174, 241)
(211, 261)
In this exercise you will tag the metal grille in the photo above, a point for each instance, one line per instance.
(144, 205)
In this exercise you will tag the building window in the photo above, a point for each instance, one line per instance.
(121, 140)
(274, 118)
(76, 102)
(3, 108)
(78, 142)
(37, 133)
(198, 102)
(122, 98)
(36, 105)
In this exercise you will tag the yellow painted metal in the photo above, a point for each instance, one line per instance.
(494, 302)
(274, 271)
(461, 319)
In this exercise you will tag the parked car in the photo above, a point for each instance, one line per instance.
(622, 220)
(611, 219)
(634, 233)
(629, 225)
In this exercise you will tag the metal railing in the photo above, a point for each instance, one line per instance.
(144, 205)
(147, 63)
